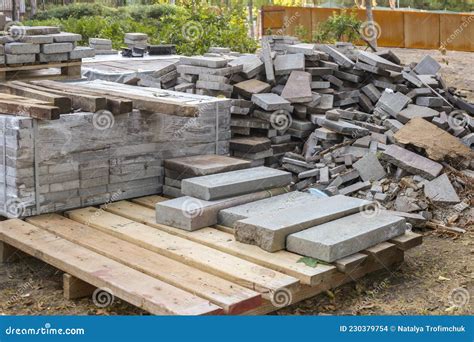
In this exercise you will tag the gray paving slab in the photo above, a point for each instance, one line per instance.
(441, 191)
(233, 183)
(285, 64)
(270, 229)
(271, 102)
(370, 168)
(203, 165)
(345, 236)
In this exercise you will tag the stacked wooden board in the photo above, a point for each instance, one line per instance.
(170, 271)
(110, 147)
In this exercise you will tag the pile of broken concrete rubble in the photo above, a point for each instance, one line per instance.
(346, 121)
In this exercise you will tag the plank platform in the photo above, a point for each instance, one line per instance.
(67, 70)
(165, 270)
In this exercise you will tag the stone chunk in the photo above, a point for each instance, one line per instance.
(202, 165)
(298, 87)
(345, 236)
(392, 103)
(369, 168)
(250, 87)
(441, 191)
(37, 39)
(427, 66)
(252, 65)
(412, 162)
(343, 127)
(337, 56)
(268, 61)
(20, 59)
(82, 52)
(53, 57)
(66, 37)
(415, 111)
(234, 183)
(208, 62)
(250, 144)
(285, 64)
(377, 61)
(230, 216)
(269, 230)
(271, 102)
(429, 101)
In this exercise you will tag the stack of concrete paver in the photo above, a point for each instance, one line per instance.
(41, 44)
(102, 46)
(178, 169)
(86, 158)
(139, 40)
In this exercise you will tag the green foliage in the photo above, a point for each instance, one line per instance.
(342, 26)
(192, 28)
(311, 262)
(301, 32)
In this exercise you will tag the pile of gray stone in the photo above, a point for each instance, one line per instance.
(40, 44)
(102, 46)
(139, 40)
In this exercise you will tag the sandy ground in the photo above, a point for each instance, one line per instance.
(436, 278)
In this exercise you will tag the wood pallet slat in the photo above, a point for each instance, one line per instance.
(32, 110)
(282, 261)
(227, 266)
(68, 70)
(126, 283)
(234, 299)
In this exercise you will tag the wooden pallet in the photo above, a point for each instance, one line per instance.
(67, 70)
(165, 270)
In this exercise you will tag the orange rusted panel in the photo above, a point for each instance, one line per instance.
(390, 28)
(421, 30)
(298, 20)
(457, 32)
(272, 20)
(320, 15)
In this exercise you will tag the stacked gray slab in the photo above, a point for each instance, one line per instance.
(93, 158)
(102, 46)
(177, 169)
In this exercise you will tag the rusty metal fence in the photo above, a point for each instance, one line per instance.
(408, 29)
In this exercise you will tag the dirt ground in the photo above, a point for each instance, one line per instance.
(436, 278)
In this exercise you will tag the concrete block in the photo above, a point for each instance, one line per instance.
(337, 56)
(270, 229)
(56, 48)
(66, 37)
(415, 111)
(298, 87)
(250, 87)
(251, 65)
(441, 191)
(429, 101)
(54, 57)
(345, 236)
(20, 59)
(271, 102)
(81, 52)
(190, 213)
(234, 183)
(208, 62)
(21, 48)
(427, 66)
(370, 168)
(41, 39)
(412, 162)
(285, 64)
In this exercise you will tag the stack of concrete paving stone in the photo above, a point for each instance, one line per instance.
(102, 46)
(177, 169)
(41, 44)
(139, 40)
(205, 196)
(87, 158)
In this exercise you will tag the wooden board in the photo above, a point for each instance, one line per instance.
(75, 288)
(240, 271)
(234, 299)
(131, 285)
(281, 261)
(66, 70)
(32, 110)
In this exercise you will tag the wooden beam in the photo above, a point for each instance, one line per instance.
(407, 241)
(137, 288)
(63, 103)
(234, 299)
(7, 253)
(229, 267)
(32, 110)
(75, 288)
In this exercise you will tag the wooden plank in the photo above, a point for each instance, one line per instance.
(8, 253)
(407, 240)
(117, 105)
(39, 66)
(84, 102)
(124, 282)
(338, 279)
(350, 263)
(281, 261)
(242, 272)
(63, 103)
(149, 201)
(37, 111)
(75, 288)
(231, 297)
